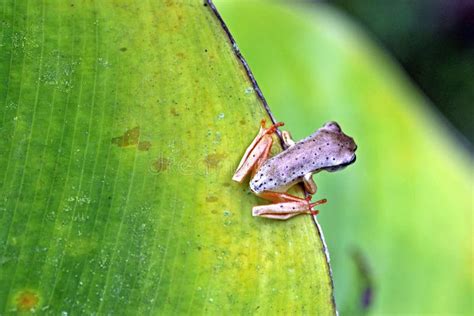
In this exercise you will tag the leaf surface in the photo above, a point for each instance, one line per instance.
(122, 123)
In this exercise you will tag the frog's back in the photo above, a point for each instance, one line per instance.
(326, 148)
(285, 169)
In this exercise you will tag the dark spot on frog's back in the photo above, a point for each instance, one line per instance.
(123, 49)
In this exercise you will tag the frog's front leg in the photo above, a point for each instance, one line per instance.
(286, 206)
(257, 152)
(309, 183)
(287, 139)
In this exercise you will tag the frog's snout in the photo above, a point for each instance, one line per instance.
(353, 149)
(354, 158)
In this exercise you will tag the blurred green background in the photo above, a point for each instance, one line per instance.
(399, 221)
(434, 42)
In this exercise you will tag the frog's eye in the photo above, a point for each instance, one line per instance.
(332, 126)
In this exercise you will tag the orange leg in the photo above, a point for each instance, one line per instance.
(257, 152)
(285, 206)
(263, 156)
(277, 197)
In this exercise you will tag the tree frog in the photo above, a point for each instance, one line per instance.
(326, 149)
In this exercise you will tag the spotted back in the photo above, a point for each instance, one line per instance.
(326, 149)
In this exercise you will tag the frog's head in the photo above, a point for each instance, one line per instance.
(341, 148)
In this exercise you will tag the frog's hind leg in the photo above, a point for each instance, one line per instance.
(256, 157)
(286, 210)
(286, 206)
(277, 197)
(257, 152)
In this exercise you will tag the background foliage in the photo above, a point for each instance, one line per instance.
(399, 221)
(434, 42)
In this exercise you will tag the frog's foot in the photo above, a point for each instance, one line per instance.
(286, 206)
(257, 152)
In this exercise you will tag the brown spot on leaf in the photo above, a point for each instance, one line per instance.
(211, 198)
(160, 165)
(173, 112)
(213, 160)
(145, 146)
(130, 137)
(27, 300)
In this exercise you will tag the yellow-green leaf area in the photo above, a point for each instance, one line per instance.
(122, 123)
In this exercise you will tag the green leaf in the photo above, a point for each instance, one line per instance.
(122, 123)
(399, 221)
